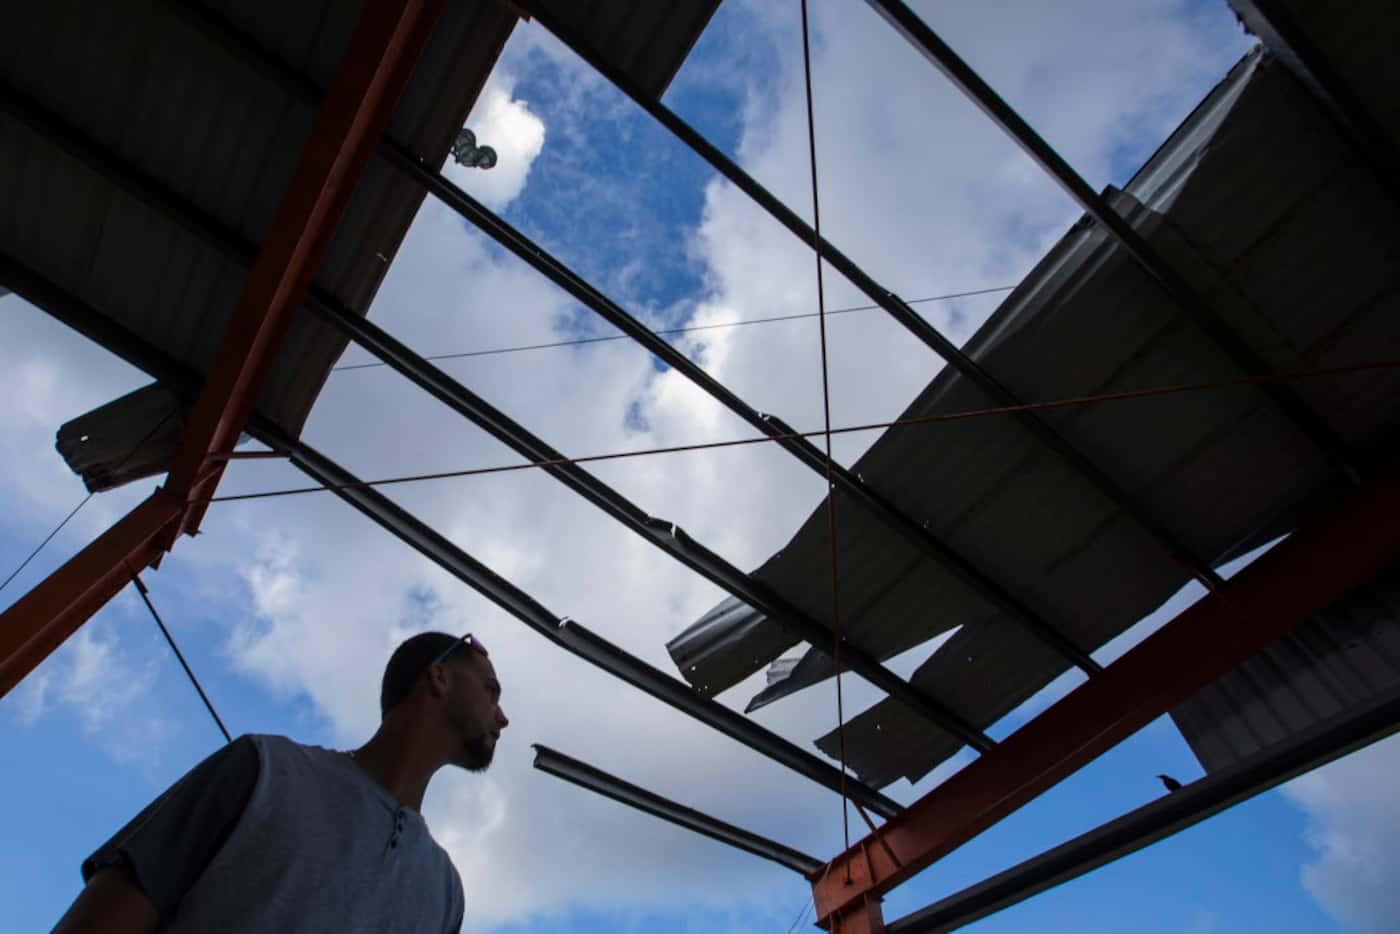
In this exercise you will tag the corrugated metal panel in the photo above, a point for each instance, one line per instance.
(130, 437)
(1358, 41)
(1342, 658)
(1215, 467)
(145, 83)
(648, 41)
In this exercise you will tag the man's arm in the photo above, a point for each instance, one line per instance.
(110, 902)
(138, 878)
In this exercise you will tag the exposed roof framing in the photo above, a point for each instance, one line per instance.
(808, 628)
(1295, 252)
(665, 535)
(848, 483)
(570, 635)
(142, 83)
(369, 78)
(375, 70)
(890, 302)
(660, 533)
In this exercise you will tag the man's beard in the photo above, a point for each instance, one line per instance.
(479, 752)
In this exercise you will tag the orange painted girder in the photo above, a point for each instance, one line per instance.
(43, 618)
(343, 138)
(371, 76)
(1298, 578)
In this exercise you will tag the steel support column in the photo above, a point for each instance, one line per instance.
(372, 74)
(42, 619)
(908, 24)
(1304, 574)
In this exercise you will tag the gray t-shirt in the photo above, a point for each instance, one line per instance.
(268, 835)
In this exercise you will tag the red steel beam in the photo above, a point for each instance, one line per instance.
(371, 76)
(1298, 578)
(357, 108)
(43, 618)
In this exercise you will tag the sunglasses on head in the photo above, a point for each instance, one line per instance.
(467, 640)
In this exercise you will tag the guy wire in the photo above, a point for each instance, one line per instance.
(826, 434)
(58, 528)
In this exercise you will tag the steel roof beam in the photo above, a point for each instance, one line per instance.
(40, 621)
(91, 323)
(1326, 558)
(372, 74)
(1167, 815)
(908, 24)
(398, 155)
(596, 780)
(562, 631)
(456, 396)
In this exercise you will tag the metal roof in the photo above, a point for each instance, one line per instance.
(146, 84)
(1291, 255)
(1337, 661)
(1353, 39)
(647, 41)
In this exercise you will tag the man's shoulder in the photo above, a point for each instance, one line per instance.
(276, 743)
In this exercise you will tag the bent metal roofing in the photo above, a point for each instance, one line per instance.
(1287, 250)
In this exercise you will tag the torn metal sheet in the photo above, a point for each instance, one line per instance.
(1291, 253)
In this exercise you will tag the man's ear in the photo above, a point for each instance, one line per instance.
(436, 676)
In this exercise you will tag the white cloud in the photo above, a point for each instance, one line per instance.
(32, 697)
(1354, 828)
(103, 684)
(517, 134)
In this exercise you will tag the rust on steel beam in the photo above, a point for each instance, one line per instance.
(1303, 575)
(347, 130)
(42, 619)
(864, 917)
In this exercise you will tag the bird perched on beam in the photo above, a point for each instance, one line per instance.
(1170, 783)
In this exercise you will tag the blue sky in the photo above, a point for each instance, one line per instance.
(287, 609)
